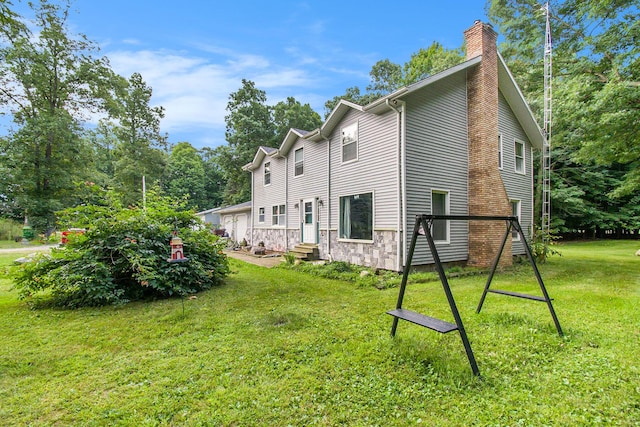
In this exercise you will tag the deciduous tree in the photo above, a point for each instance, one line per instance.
(49, 81)
(249, 125)
(386, 76)
(596, 97)
(291, 114)
(141, 149)
(185, 176)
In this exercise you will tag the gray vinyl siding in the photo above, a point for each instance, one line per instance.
(270, 195)
(311, 184)
(437, 159)
(518, 186)
(375, 171)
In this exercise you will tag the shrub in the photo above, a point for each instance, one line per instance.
(123, 257)
(542, 245)
(290, 258)
(9, 229)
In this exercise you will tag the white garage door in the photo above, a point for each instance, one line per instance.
(227, 224)
(241, 227)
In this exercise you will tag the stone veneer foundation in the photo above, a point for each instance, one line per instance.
(274, 239)
(382, 253)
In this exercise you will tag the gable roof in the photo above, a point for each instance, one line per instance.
(380, 105)
(506, 84)
(262, 152)
(290, 139)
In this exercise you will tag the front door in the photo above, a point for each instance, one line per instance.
(309, 221)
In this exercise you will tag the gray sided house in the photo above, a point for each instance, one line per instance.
(459, 143)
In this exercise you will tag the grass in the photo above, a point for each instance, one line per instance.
(274, 347)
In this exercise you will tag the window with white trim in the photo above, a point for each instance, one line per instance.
(356, 217)
(500, 151)
(299, 162)
(516, 208)
(261, 215)
(440, 206)
(267, 173)
(350, 142)
(277, 215)
(519, 156)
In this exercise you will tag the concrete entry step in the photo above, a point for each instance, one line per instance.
(306, 252)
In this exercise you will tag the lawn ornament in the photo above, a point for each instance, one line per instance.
(177, 251)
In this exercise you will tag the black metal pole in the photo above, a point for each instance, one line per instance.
(494, 267)
(532, 261)
(405, 273)
(452, 302)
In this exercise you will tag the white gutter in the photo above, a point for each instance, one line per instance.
(401, 198)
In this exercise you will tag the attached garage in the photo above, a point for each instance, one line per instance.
(235, 220)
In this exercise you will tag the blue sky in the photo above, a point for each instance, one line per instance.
(194, 53)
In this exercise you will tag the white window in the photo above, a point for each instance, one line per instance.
(299, 162)
(500, 151)
(519, 156)
(350, 142)
(277, 215)
(440, 206)
(515, 211)
(267, 173)
(356, 217)
(261, 215)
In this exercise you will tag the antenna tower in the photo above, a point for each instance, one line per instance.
(546, 150)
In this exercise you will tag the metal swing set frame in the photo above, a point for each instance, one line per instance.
(422, 226)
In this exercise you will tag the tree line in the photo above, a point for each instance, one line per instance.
(51, 81)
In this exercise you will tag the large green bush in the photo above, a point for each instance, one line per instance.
(123, 255)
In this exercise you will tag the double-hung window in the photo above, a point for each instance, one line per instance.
(516, 208)
(350, 142)
(356, 217)
(261, 215)
(299, 162)
(519, 156)
(267, 173)
(440, 206)
(277, 215)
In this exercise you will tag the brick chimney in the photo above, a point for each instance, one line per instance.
(487, 194)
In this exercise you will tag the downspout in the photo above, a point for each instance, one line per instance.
(286, 198)
(401, 198)
(252, 208)
(328, 207)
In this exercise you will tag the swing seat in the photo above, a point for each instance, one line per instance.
(422, 320)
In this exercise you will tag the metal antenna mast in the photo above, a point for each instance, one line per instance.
(546, 150)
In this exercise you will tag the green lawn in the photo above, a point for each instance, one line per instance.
(10, 244)
(273, 347)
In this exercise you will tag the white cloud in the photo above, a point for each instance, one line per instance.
(283, 78)
(194, 88)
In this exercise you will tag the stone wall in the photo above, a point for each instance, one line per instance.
(382, 253)
(274, 239)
